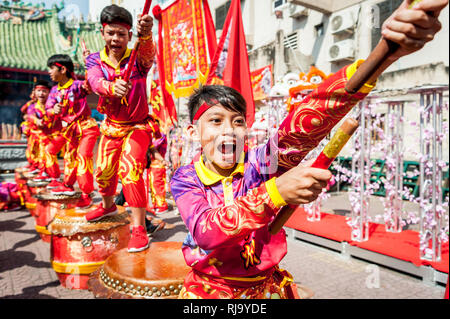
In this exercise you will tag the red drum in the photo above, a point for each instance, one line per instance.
(155, 273)
(19, 177)
(79, 247)
(33, 189)
(47, 207)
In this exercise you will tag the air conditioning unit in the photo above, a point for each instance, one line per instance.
(342, 50)
(297, 11)
(344, 21)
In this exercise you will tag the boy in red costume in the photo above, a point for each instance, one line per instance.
(67, 103)
(34, 112)
(127, 130)
(228, 197)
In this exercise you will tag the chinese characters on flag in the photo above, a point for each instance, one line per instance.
(184, 28)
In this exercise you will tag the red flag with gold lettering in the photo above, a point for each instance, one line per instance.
(186, 42)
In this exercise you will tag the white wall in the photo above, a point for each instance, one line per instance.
(261, 26)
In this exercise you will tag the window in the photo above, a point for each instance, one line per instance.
(319, 30)
(386, 8)
(290, 41)
(278, 3)
(221, 15)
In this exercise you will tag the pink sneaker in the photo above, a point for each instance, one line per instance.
(54, 184)
(63, 190)
(85, 201)
(100, 213)
(138, 240)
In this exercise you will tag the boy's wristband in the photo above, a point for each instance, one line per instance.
(274, 194)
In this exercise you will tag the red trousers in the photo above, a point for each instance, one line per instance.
(79, 140)
(157, 182)
(124, 157)
(32, 151)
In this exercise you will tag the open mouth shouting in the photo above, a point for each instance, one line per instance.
(228, 151)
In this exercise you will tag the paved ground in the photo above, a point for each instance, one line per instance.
(26, 273)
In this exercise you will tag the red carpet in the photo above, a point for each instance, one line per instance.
(404, 245)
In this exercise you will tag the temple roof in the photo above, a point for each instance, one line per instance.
(30, 35)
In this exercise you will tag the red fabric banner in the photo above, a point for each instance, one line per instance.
(230, 65)
(262, 82)
(161, 101)
(159, 110)
(184, 33)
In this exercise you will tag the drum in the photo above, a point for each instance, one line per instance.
(47, 207)
(79, 247)
(19, 177)
(34, 188)
(155, 273)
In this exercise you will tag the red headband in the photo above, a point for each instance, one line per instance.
(72, 73)
(203, 108)
(127, 26)
(41, 87)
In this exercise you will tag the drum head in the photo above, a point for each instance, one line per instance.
(47, 196)
(157, 272)
(73, 221)
(32, 183)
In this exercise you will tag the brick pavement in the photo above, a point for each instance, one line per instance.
(26, 273)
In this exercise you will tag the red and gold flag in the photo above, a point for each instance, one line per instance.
(186, 39)
(262, 82)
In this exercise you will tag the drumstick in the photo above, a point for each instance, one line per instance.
(133, 57)
(369, 67)
(323, 161)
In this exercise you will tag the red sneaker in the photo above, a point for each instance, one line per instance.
(63, 190)
(54, 184)
(85, 201)
(100, 213)
(42, 177)
(33, 169)
(138, 240)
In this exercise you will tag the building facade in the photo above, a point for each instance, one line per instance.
(292, 35)
(28, 37)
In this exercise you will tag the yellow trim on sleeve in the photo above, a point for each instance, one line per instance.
(274, 194)
(367, 88)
